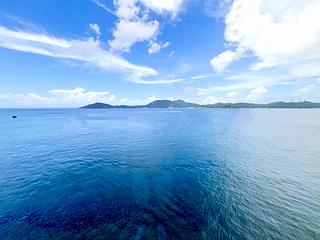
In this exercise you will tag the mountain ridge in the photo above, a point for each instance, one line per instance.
(182, 104)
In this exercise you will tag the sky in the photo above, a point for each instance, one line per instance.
(71, 53)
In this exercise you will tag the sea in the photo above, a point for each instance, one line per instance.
(159, 174)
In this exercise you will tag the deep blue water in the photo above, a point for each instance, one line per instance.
(160, 174)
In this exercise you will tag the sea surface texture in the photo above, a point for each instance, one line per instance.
(160, 174)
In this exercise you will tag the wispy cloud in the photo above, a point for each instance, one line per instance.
(310, 92)
(158, 81)
(104, 7)
(201, 76)
(245, 85)
(87, 51)
(171, 53)
(156, 47)
(95, 28)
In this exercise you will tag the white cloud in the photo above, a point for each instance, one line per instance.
(256, 93)
(201, 94)
(152, 98)
(134, 24)
(172, 7)
(198, 77)
(87, 51)
(127, 33)
(156, 47)
(127, 101)
(57, 98)
(76, 97)
(210, 100)
(310, 92)
(171, 53)
(251, 95)
(127, 9)
(206, 97)
(306, 89)
(275, 32)
(77, 92)
(233, 94)
(223, 60)
(217, 8)
(95, 28)
(305, 69)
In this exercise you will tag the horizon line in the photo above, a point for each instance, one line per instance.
(145, 105)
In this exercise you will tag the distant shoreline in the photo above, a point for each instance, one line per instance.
(183, 104)
(168, 104)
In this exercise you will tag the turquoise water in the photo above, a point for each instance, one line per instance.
(160, 174)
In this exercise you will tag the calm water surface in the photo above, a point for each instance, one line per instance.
(160, 174)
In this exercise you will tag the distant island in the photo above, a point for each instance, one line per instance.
(183, 104)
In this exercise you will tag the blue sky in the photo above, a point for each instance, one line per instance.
(69, 53)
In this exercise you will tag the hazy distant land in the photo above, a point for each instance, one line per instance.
(183, 104)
